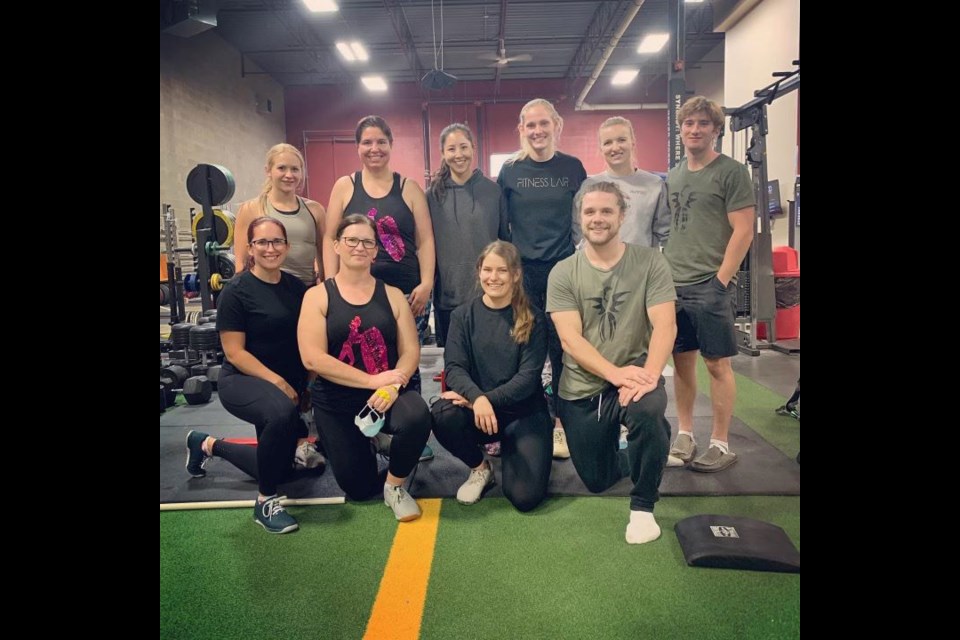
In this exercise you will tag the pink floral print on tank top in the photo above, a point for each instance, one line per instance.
(389, 235)
(373, 348)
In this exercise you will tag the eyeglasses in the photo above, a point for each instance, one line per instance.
(354, 242)
(263, 242)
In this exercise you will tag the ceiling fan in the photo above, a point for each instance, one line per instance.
(500, 59)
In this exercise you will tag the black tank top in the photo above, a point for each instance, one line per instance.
(361, 335)
(396, 262)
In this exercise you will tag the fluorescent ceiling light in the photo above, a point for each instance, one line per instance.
(624, 76)
(693, 1)
(359, 51)
(374, 83)
(321, 6)
(353, 51)
(653, 43)
(346, 52)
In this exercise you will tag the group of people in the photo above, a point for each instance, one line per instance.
(513, 282)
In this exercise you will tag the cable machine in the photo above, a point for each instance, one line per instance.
(756, 294)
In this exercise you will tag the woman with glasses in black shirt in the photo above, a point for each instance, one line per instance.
(263, 379)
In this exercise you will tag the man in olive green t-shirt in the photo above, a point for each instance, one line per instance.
(712, 199)
(612, 304)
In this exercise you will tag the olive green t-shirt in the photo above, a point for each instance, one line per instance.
(700, 201)
(613, 309)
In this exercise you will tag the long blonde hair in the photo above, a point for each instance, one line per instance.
(272, 154)
(522, 312)
(525, 149)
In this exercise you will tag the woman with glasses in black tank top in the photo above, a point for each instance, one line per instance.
(357, 334)
(406, 258)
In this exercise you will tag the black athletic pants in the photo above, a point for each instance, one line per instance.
(526, 448)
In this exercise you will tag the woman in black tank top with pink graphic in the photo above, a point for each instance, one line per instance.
(357, 334)
(406, 257)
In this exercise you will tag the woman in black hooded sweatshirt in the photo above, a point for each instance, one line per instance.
(468, 213)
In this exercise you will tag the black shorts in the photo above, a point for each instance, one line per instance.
(706, 313)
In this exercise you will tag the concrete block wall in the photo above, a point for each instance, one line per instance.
(210, 114)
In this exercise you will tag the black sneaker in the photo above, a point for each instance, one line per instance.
(272, 516)
(196, 458)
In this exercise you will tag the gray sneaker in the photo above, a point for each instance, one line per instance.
(684, 448)
(714, 460)
(560, 449)
(471, 491)
(382, 442)
(402, 503)
(307, 457)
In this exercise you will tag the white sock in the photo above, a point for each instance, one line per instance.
(720, 444)
(642, 528)
(686, 433)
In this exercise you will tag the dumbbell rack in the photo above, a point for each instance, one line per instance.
(191, 363)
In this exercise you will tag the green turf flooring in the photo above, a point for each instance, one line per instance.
(566, 572)
(562, 571)
(222, 576)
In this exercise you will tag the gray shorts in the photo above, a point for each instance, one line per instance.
(706, 313)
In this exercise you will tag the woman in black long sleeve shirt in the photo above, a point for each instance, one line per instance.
(494, 354)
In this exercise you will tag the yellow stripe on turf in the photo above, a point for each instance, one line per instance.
(398, 610)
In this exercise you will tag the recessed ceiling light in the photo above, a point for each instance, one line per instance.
(346, 52)
(653, 43)
(374, 83)
(321, 6)
(359, 51)
(624, 76)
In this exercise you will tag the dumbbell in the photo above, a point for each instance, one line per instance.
(174, 380)
(212, 373)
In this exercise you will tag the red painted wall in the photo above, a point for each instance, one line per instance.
(336, 109)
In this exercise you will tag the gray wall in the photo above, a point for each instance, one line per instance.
(209, 114)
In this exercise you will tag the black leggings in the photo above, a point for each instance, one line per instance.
(244, 457)
(592, 426)
(276, 419)
(351, 455)
(526, 449)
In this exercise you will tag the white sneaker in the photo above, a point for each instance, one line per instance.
(673, 461)
(307, 456)
(471, 491)
(402, 503)
(560, 448)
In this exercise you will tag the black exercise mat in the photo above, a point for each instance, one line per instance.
(224, 481)
(760, 470)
